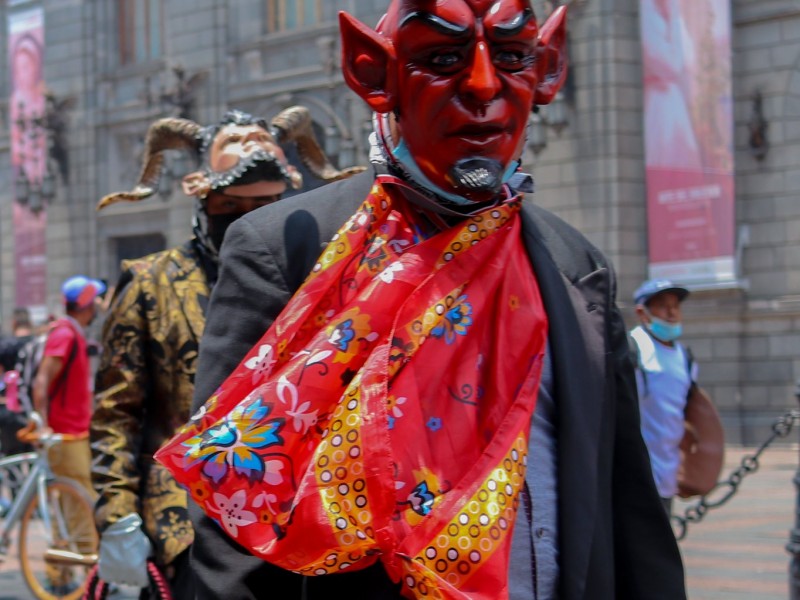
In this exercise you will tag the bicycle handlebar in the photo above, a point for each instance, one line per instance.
(35, 432)
(37, 420)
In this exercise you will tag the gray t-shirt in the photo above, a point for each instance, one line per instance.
(536, 577)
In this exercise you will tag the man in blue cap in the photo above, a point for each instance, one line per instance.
(664, 375)
(62, 395)
(62, 388)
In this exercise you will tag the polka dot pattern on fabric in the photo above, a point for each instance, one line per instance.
(339, 470)
(478, 530)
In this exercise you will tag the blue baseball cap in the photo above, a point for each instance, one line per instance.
(82, 290)
(655, 286)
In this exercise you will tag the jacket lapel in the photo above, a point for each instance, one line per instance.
(577, 342)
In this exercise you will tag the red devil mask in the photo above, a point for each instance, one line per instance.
(460, 77)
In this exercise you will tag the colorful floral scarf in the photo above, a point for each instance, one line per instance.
(385, 414)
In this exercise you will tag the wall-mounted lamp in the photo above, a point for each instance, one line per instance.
(176, 165)
(757, 125)
(556, 113)
(179, 99)
(553, 116)
(537, 132)
(341, 149)
(51, 126)
(333, 141)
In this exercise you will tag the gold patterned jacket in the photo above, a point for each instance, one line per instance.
(144, 389)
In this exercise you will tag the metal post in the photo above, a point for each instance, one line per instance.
(793, 547)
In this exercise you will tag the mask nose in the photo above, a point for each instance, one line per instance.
(481, 82)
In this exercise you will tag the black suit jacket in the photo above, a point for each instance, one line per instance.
(615, 540)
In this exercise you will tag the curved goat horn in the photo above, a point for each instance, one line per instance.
(294, 125)
(164, 134)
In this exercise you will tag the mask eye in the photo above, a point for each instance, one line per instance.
(513, 60)
(446, 61)
(226, 204)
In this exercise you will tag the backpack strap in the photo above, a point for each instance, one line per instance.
(633, 347)
(689, 367)
(61, 378)
(636, 359)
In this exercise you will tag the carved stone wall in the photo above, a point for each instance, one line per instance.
(747, 341)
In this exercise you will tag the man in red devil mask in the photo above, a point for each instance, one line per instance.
(440, 403)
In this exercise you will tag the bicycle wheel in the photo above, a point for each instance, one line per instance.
(55, 561)
(14, 471)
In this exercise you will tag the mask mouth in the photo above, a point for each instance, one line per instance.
(259, 166)
(477, 174)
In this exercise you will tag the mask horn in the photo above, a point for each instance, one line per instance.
(294, 125)
(164, 134)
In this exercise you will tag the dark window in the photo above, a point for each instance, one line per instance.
(136, 246)
(140, 33)
(283, 15)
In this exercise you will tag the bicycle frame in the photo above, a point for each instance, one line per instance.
(35, 483)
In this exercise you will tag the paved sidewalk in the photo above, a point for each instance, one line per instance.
(12, 585)
(738, 551)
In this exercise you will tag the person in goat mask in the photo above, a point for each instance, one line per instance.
(145, 381)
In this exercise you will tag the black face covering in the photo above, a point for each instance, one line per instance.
(218, 225)
(477, 174)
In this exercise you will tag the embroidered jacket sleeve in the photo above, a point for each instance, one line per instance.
(121, 384)
(145, 384)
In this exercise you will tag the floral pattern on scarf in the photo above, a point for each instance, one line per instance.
(385, 414)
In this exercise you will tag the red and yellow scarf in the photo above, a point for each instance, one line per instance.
(385, 414)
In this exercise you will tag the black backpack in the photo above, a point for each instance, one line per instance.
(9, 348)
(10, 421)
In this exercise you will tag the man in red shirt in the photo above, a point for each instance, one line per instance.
(62, 396)
(61, 390)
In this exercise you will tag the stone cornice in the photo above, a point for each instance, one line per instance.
(764, 10)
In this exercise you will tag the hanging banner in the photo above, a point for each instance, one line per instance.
(28, 156)
(688, 132)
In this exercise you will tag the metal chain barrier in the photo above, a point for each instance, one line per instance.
(727, 488)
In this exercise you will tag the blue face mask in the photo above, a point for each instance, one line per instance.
(403, 156)
(663, 330)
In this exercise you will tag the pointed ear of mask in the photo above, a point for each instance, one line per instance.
(552, 54)
(368, 64)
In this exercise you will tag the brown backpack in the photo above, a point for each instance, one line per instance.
(702, 447)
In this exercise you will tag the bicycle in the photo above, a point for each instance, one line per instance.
(57, 540)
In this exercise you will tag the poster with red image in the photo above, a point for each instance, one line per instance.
(688, 131)
(28, 154)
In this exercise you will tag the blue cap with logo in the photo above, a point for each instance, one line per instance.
(82, 290)
(655, 286)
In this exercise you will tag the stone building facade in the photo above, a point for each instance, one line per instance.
(122, 64)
